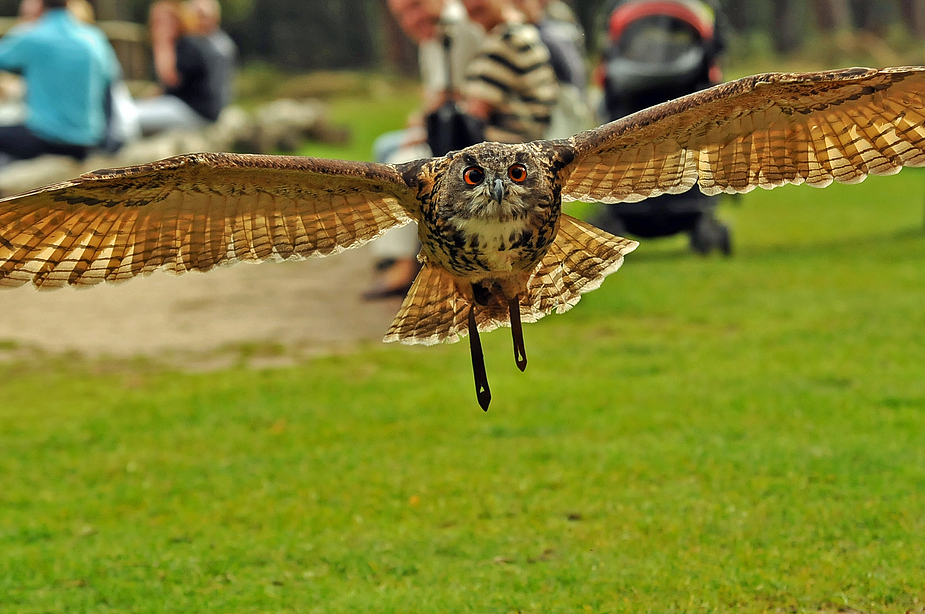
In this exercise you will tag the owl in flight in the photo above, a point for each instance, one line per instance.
(496, 248)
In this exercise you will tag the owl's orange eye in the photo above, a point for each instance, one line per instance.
(473, 175)
(517, 173)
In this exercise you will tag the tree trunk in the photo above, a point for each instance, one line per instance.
(873, 15)
(913, 13)
(400, 51)
(833, 15)
(788, 31)
(108, 9)
(739, 15)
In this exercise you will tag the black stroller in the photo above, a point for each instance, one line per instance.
(658, 50)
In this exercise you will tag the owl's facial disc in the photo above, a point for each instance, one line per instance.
(485, 187)
(487, 194)
(494, 188)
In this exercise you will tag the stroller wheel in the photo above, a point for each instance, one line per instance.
(609, 221)
(725, 240)
(709, 234)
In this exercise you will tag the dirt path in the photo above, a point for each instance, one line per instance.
(279, 310)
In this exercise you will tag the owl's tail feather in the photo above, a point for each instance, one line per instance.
(577, 262)
(436, 311)
(433, 311)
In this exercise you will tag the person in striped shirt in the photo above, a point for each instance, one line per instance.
(510, 84)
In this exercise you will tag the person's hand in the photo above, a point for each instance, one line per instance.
(415, 135)
(167, 72)
(479, 109)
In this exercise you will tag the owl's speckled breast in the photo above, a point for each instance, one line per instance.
(475, 248)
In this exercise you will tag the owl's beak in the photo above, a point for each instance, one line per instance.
(497, 190)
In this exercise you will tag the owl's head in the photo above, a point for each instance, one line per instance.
(495, 181)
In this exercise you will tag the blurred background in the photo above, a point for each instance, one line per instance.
(361, 34)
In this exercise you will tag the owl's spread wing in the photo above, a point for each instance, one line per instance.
(765, 130)
(194, 212)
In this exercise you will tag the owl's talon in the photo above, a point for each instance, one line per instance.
(517, 332)
(482, 391)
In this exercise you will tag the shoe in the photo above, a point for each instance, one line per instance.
(394, 281)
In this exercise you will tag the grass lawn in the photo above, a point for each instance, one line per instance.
(700, 434)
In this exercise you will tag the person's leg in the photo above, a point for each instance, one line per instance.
(167, 113)
(387, 143)
(396, 251)
(396, 256)
(79, 152)
(19, 143)
(397, 243)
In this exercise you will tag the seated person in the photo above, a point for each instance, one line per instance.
(429, 23)
(572, 112)
(68, 68)
(208, 15)
(121, 115)
(510, 84)
(194, 70)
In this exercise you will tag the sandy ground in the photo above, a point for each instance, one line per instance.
(281, 311)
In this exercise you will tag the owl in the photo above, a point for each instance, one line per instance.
(496, 248)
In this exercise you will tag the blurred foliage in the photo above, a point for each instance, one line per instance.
(311, 35)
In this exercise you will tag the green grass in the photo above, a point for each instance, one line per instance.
(391, 107)
(700, 434)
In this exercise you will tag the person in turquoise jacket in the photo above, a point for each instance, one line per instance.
(68, 67)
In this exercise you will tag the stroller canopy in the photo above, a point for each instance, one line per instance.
(659, 49)
(696, 15)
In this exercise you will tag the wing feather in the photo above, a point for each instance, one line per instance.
(118, 251)
(195, 212)
(760, 131)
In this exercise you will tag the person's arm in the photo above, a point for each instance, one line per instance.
(482, 92)
(163, 44)
(480, 109)
(112, 66)
(11, 53)
(191, 63)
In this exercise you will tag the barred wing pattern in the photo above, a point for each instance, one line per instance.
(760, 131)
(577, 263)
(195, 212)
